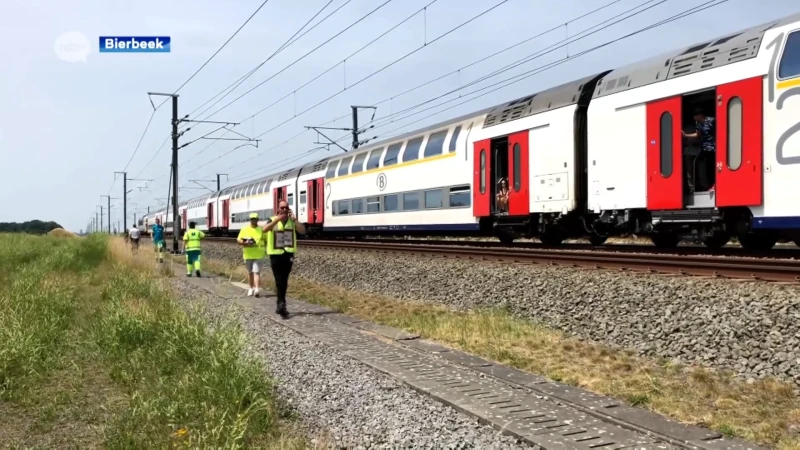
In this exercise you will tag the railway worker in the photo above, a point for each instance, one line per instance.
(134, 236)
(252, 239)
(191, 246)
(158, 240)
(706, 132)
(281, 234)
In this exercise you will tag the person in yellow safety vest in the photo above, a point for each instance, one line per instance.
(281, 234)
(191, 246)
(252, 239)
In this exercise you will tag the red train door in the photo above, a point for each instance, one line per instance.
(481, 179)
(226, 215)
(664, 165)
(278, 194)
(185, 219)
(739, 143)
(311, 200)
(319, 206)
(518, 198)
(210, 215)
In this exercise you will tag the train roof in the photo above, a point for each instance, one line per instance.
(723, 50)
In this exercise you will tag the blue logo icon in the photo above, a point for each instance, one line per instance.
(134, 44)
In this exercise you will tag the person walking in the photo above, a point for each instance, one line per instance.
(191, 246)
(134, 237)
(281, 247)
(251, 238)
(158, 240)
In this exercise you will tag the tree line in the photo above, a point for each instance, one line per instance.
(31, 226)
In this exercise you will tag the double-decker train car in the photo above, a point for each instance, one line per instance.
(612, 153)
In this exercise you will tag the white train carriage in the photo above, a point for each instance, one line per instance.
(198, 210)
(244, 199)
(644, 175)
(284, 187)
(536, 144)
(418, 183)
(311, 198)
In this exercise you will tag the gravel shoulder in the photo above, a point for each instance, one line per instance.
(342, 403)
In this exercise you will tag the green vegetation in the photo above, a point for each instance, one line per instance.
(31, 227)
(94, 352)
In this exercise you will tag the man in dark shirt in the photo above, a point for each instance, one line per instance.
(707, 134)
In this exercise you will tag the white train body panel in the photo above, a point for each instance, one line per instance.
(426, 194)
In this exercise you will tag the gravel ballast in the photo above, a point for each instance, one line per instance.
(752, 328)
(342, 402)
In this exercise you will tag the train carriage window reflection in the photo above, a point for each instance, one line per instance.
(411, 152)
(391, 154)
(390, 203)
(411, 201)
(482, 174)
(358, 205)
(343, 207)
(790, 61)
(734, 150)
(345, 166)
(459, 197)
(435, 144)
(454, 139)
(358, 165)
(302, 197)
(331, 173)
(665, 151)
(373, 204)
(433, 199)
(374, 160)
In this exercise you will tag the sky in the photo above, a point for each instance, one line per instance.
(68, 123)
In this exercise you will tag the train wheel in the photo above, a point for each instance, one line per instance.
(716, 240)
(665, 239)
(505, 238)
(596, 239)
(757, 242)
(553, 237)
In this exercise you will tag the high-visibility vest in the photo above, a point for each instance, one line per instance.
(281, 238)
(192, 238)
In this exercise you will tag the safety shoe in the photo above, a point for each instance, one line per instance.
(197, 272)
(189, 275)
(257, 293)
(249, 292)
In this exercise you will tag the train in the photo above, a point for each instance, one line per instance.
(609, 154)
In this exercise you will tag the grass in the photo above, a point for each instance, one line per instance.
(94, 352)
(766, 412)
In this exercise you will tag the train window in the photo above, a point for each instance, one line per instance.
(302, 197)
(345, 166)
(412, 149)
(289, 200)
(373, 204)
(358, 205)
(665, 153)
(390, 202)
(374, 160)
(435, 144)
(453, 139)
(433, 199)
(459, 196)
(331, 173)
(734, 149)
(358, 165)
(343, 207)
(483, 172)
(411, 201)
(790, 61)
(269, 184)
(517, 168)
(391, 154)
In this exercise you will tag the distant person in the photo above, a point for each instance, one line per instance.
(191, 246)
(134, 235)
(251, 237)
(158, 240)
(281, 248)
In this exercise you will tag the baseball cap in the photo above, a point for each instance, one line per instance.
(253, 216)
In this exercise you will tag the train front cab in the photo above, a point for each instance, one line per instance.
(744, 168)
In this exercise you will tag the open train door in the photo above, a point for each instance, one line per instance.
(739, 143)
(278, 194)
(518, 197)
(664, 164)
(210, 215)
(319, 205)
(226, 213)
(481, 179)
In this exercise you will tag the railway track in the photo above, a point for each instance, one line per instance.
(776, 270)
